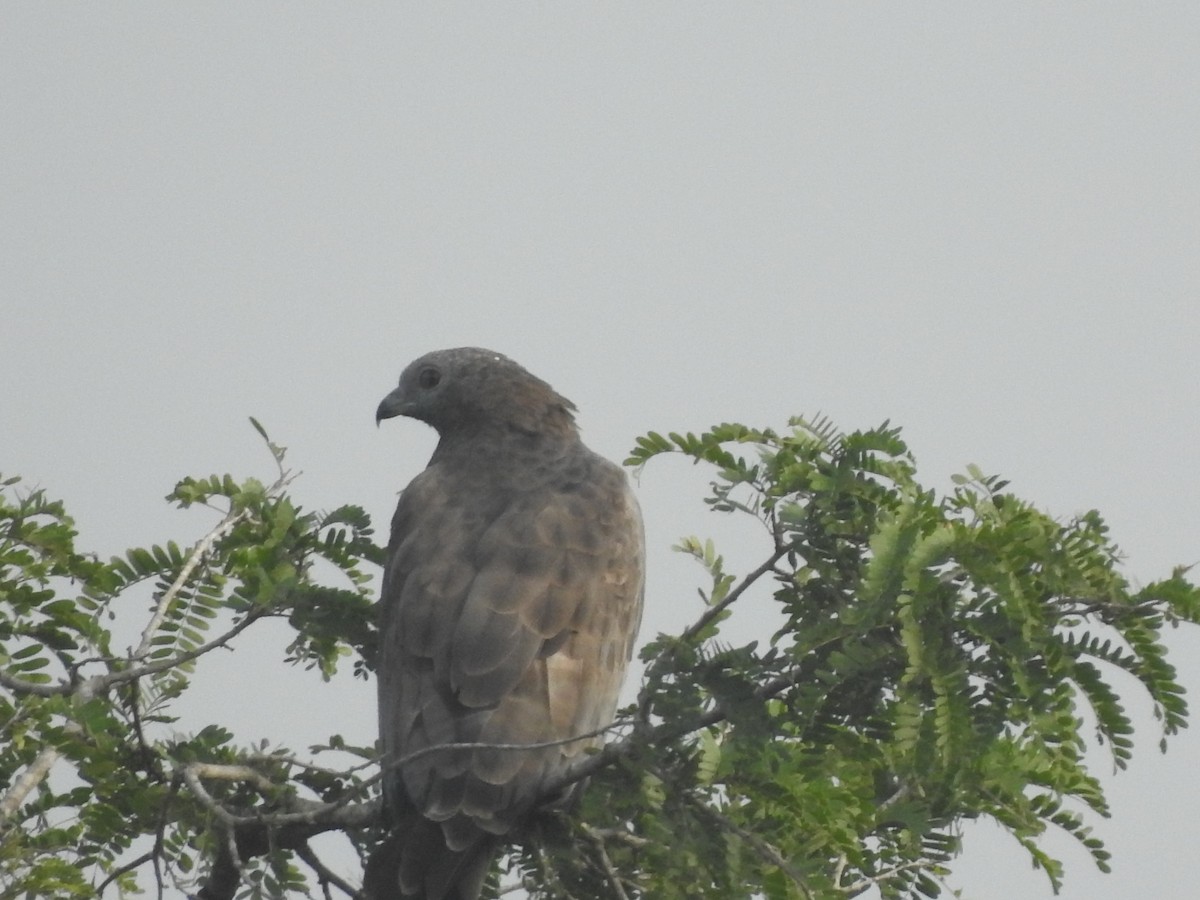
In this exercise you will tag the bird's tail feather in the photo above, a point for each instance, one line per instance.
(417, 863)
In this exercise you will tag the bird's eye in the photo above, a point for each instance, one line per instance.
(429, 377)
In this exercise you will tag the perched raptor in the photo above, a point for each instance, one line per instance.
(510, 603)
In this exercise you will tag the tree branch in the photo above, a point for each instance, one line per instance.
(863, 884)
(326, 875)
(647, 735)
(249, 836)
(717, 608)
(33, 775)
(148, 856)
(302, 813)
(766, 851)
(154, 854)
(22, 687)
(101, 683)
(199, 551)
(260, 833)
(610, 871)
(86, 690)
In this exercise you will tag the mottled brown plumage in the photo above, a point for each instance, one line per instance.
(510, 602)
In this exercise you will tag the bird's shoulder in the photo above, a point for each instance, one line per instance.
(459, 497)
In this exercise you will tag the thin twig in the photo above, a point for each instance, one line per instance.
(766, 851)
(324, 874)
(644, 734)
(160, 834)
(154, 854)
(100, 684)
(549, 876)
(475, 745)
(97, 686)
(199, 552)
(863, 884)
(116, 873)
(610, 871)
(717, 608)
(290, 760)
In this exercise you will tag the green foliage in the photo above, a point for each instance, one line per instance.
(129, 793)
(934, 658)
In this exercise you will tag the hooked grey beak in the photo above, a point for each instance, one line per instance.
(394, 404)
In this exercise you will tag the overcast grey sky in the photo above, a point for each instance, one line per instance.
(979, 221)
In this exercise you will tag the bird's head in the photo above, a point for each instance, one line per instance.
(468, 389)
